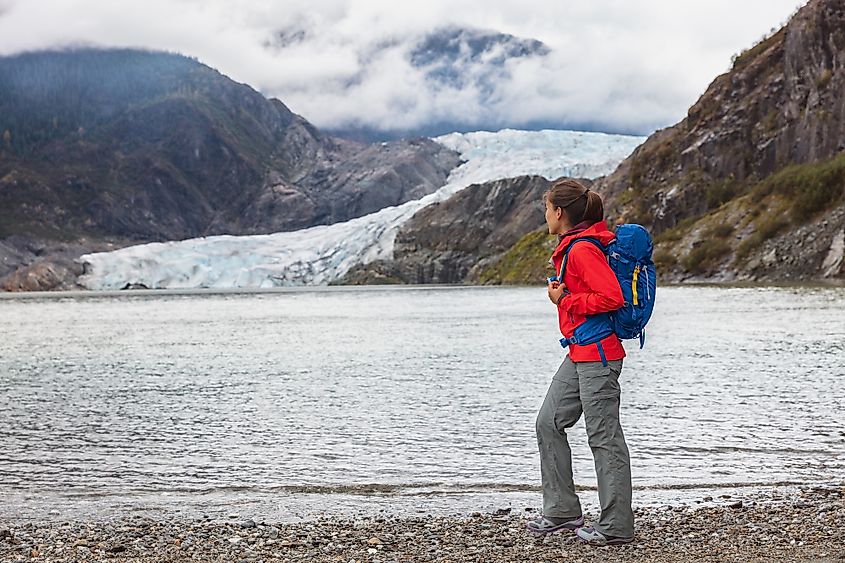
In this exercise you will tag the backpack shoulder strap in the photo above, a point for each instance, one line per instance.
(593, 240)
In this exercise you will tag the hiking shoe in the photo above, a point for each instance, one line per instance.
(590, 535)
(550, 524)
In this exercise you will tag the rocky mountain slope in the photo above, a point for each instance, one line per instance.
(112, 147)
(463, 239)
(327, 253)
(751, 184)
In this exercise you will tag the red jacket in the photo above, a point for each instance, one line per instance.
(593, 289)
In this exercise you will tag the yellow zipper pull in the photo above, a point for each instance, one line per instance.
(634, 284)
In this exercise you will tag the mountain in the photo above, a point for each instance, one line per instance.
(325, 254)
(463, 239)
(447, 54)
(104, 148)
(751, 184)
(158, 146)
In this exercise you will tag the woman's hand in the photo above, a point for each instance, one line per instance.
(556, 292)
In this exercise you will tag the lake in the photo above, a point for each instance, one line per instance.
(287, 403)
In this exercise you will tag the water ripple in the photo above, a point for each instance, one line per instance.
(399, 392)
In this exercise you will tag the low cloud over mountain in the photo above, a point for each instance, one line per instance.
(380, 68)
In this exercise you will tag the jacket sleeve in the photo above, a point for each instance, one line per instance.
(604, 294)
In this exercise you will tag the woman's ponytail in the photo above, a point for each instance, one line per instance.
(594, 210)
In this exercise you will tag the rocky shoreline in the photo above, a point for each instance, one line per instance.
(804, 525)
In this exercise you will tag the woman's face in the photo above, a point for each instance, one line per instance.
(555, 219)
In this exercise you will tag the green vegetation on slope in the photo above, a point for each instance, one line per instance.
(51, 95)
(527, 262)
(747, 56)
(705, 255)
(791, 196)
(810, 188)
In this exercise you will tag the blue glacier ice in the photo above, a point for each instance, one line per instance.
(319, 255)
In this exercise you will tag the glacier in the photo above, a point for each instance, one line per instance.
(319, 255)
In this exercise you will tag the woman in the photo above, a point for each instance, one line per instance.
(583, 383)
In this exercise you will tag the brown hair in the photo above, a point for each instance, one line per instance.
(578, 202)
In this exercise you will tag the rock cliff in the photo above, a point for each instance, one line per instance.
(467, 238)
(750, 185)
(118, 147)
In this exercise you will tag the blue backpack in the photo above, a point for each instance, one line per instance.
(629, 256)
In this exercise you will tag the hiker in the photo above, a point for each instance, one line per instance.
(587, 380)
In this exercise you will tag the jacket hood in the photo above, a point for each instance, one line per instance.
(597, 231)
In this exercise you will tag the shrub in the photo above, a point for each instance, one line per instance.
(770, 121)
(664, 154)
(705, 254)
(811, 188)
(526, 262)
(719, 231)
(748, 55)
(766, 228)
(717, 193)
(625, 197)
(823, 79)
(770, 226)
(676, 233)
(817, 197)
(665, 260)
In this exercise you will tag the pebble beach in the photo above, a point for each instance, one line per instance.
(802, 525)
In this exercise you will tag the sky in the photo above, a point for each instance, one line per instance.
(621, 66)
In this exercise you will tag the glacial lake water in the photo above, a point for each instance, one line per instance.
(283, 404)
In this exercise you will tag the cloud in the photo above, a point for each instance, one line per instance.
(611, 65)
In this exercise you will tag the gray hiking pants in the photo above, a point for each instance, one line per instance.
(593, 389)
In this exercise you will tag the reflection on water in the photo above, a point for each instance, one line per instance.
(113, 401)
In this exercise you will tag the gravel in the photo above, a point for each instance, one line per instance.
(801, 526)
